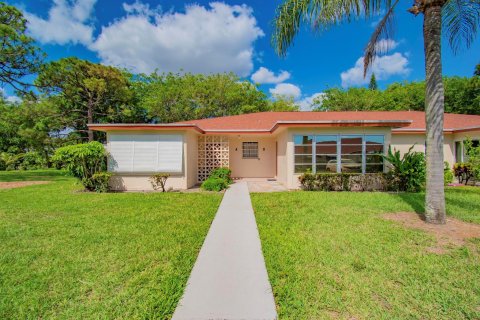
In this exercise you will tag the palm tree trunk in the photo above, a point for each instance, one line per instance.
(434, 108)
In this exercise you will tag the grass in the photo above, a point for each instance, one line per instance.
(71, 254)
(330, 255)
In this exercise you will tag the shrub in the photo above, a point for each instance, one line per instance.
(408, 171)
(31, 161)
(11, 161)
(345, 181)
(473, 153)
(447, 173)
(159, 180)
(223, 173)
(214, 184)
(100, 182)
(83, 161)
(463, 172)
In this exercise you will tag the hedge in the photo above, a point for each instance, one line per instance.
(347, 182)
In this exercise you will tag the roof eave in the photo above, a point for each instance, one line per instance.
(141, 127)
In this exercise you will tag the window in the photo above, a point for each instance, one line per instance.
(458, 151)
(250, 150)
(339, 153)
(374, 149)
(303, 153)
(145, 152)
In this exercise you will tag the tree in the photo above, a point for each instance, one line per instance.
(462, 95)
(87, 92)
(477, 70)
(177, 97)
(373, 82)
(31, 126)
(283, 103)
(461, 19)
(19, 57)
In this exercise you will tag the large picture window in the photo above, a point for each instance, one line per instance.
(339, 153)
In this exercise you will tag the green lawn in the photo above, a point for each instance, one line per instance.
(331, 255)
(70, 254)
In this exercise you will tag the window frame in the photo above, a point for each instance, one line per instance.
(338, 154)
(250, 143)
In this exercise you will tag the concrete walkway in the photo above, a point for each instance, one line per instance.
(229, 279)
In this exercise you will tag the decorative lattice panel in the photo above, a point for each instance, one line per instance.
(212, 154)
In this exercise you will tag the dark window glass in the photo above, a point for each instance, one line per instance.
(373, 168)
(326, 149)
(351, 139)
(374, 159)
(303, 139)
(303, 159)
(327, 168)
(300, 168)
(303, 149)
(351, 149)
(371, 148)
(329, 140)
(326, 158)
(374, 139)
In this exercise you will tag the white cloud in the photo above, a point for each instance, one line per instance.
(385, 45)
(263, 75)
(141, 8)
(9, 98)
(306, 103)
(383, 66)
(67, 22)
(286, 89)
(217, 38)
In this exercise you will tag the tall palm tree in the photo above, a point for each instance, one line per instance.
(459, 18)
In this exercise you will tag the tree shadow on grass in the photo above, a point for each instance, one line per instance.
(415, 200)
(33, 175)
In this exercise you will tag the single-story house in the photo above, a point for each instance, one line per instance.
(276, 145)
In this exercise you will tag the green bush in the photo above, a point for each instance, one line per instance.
(447, 174)
(473, 153)
(100, 182)
(222, 173)
(83, 161)
(408, 171)
(11, 161)
(215, 184)
(463, 171)
(345, 181)
(32, 161)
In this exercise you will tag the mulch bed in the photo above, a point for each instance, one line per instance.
(19, 184)
(454, 233)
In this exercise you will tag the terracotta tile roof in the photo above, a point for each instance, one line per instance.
(266, 121)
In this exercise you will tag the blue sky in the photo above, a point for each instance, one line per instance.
(204, 36)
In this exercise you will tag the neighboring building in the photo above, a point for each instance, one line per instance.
(277, 145)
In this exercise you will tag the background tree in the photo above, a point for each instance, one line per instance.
(175, 97)
(461, 96)
(87, 92)
(19, 57)
(461, 20)
(373, 82)
(477, 70)
(283, 103)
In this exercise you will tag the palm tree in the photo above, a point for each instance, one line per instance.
(459, 18)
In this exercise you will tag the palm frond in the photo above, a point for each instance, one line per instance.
(461, 19)
(320, 14)
(287, 23)
(383, 30)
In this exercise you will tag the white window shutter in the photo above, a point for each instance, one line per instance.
(146, 153)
